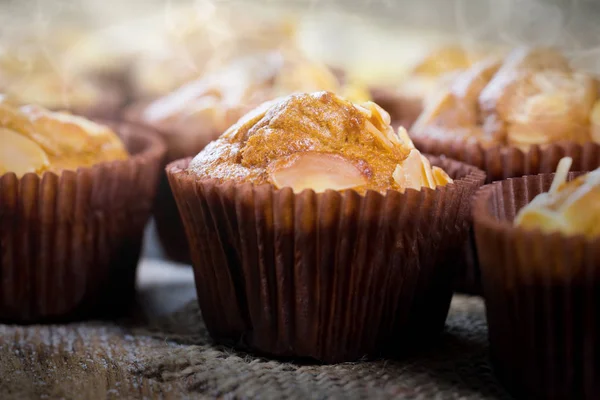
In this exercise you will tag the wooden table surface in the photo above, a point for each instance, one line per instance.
(95, 360)
(158, 353)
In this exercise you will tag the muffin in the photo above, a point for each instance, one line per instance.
(514, 116)
(75, 198)
(427, 77)
(198, 112)
(53, 72)
(317, 232)
(538, 242)
(200, 39)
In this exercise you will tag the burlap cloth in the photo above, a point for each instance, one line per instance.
(157, 353)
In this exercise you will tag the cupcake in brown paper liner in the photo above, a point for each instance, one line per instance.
(513, 116)
(431, 74)
(317, 232)
(538, 245)
(198, 112)
(74, 200)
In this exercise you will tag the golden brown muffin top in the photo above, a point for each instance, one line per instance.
(33, 139)
(531, 96)
(572, 208)
(318, 141)
(213, 103)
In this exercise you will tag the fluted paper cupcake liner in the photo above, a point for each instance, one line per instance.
(330, 276)
(503, 162)
(542, 293)
(70, 243)
(507, 162)
(169, 228)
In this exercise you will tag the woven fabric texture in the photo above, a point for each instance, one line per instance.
(172, 357)
(456, 368)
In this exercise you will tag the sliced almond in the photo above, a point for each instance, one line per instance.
(426, 172)
(380, 136)
(317, 171)
(362, 108)
(409, 173)
(382, 116)
(550, 106)
(382, 120)
(440, 176)
(69, 134)
(416, 172)
(19, 154)
(562, 171)
(404, 138)
(531, 217)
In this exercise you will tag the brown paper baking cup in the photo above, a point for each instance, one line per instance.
(332, 276)
(503, 162)
(542, 293)
(404, 110)
(70, 243)
(169, 228)
(507, 162)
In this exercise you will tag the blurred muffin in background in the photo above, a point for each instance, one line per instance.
(200, 39)
(428, 76)
(75, 196)
(531, 97)
(37, 140)
(513, 116)
(198, 112)
(58, 72)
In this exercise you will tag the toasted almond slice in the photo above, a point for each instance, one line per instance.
(362, 108)
(440, 176)
(551, 106)
(409, 173)
(416, 172)
(69, 134)
(317, 171)
(404, 138)
(426, 171)
(380, 136)
(382, 116)
(19, 154)
(562, 171)
(383, 120)
(539, 218)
